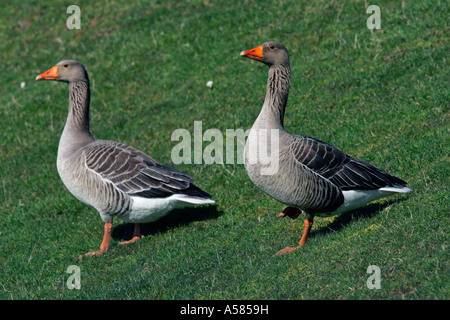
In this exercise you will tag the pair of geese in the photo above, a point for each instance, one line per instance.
(312, 177)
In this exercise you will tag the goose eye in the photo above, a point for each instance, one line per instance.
(65, 65)
(272, 47)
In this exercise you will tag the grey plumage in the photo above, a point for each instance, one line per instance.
(112, 171)
(339, 169)
(115, 179)
(135, 173)
(311, 175)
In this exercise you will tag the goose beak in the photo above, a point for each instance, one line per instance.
(255, 53)
(51, 74)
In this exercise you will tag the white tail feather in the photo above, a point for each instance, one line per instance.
(396, 188)
(191, 199)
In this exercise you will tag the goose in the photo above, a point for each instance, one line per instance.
(307, 174)
(117, 180)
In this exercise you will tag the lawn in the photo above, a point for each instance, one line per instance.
(379, 95)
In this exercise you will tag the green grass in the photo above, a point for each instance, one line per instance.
(382, 96)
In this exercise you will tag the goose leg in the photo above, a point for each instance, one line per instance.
(104, 246)
(308, 225)
(291, 212)
(136, 235)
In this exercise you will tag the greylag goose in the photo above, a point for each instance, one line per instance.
(309, 175)
(113, 178)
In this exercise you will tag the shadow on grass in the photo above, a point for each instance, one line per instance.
(176, 218)
(365, 212)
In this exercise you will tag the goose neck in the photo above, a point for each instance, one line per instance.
(277, 93)
(79, 100)
(76, 131)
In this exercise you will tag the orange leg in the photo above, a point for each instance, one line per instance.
(105, 242)
(308, 225)
(136, 235)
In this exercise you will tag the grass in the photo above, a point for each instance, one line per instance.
(382, 96)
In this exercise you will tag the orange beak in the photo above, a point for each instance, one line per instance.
(51, 74)
(255, 53)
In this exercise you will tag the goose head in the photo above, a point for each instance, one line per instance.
(270, 53)
(66, 71)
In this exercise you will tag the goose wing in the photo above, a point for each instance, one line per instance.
(135, 173)
(346, 172)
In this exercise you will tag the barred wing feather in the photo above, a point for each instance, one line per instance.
(135, 173)
(346, 172)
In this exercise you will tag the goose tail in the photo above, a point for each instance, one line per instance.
(396, 188)
(193, 199)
